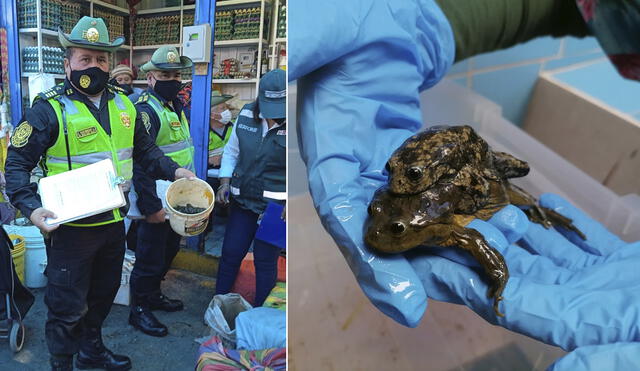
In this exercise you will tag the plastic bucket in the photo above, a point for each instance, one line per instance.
(17, 253)
(195, 192)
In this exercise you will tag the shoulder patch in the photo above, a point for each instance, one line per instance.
(146, 121)
(143, 98)
(52, 93)
(116, 89)
(21, 135)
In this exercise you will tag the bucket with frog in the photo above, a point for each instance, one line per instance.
(189, 204)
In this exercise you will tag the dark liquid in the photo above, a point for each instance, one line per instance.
(189, 209)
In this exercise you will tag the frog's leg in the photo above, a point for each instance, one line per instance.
(539, 214)
(509, 166)
(489, 258)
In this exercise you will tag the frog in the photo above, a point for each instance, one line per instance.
(398, 223)
(459, 156)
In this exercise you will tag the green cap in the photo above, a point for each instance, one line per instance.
(167, 58)
(218, 98)
(89, 33)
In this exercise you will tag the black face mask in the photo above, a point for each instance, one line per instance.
(167, 89)
(280, 121)
(90, 81)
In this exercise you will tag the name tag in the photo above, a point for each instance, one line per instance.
(282, 132)
(86, 132)
(175, 124)
(248, 128)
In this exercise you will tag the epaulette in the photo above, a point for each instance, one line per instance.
(115, 89)
(51, 93)
(143, 98)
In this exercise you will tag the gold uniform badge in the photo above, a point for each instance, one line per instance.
(21, 135)
(125, 119)
(91, 34)
(85, 81)
(172, 57)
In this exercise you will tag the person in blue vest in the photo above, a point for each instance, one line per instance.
(253, 173)
(76, 123)
(157, 244)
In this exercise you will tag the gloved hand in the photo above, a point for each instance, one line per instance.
(562, 291)
(358, 102)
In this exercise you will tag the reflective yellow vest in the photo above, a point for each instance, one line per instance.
(174, 138)
(89, 143)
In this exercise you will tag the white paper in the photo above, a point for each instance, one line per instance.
(161, 192)
(80, 193)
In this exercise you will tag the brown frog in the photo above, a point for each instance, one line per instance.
(458, 155)
(398, 223)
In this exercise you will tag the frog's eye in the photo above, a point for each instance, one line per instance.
(414, 173)
(397, 227)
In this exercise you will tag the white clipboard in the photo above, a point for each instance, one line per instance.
(161, 192)
(83, 192)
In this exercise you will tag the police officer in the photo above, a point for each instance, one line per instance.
(158, 244)
(79, 122)
(253, 172)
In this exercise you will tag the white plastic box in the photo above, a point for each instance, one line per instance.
(334, 326)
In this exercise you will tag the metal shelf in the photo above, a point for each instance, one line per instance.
(55, 76)
(110, 6)
(168, 9)
(238, 42)
(153, 47)
(235, 81)
(44, 31)
(235, 2)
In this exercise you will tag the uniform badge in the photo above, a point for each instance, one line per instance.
(172, 57)
(146, 121)
(86, 132)
(175, 124)
(21, 135)
(125, 119)
(85, 81)
(91, 35)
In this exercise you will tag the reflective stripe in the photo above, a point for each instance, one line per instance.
(125, 154)
(246, 113)
(275, 195)
(69, 107)
(119, 102)
(82, 159)
(175, 147)
(235, 191)
(275, 93)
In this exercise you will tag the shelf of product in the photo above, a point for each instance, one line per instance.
(238, 24)
(53, 13)
(281, 32)
(52, 59)
(115, 22)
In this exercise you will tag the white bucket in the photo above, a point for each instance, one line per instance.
(196, 192)
(35, 255)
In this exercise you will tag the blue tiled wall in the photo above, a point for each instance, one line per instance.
(508, 76)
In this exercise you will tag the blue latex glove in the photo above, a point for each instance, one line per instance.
(365, 61)
(580, 294)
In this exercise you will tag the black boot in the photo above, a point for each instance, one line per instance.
(143, 319)
(158, 301)
(93, 354)
(61, 363)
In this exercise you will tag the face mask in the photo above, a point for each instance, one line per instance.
(90, 81)
(280, 121)
(167, 89)
(226, 116)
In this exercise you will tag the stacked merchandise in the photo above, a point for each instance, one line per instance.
(224, 25)
(54, 13)
(52, 59)
(282, 22)
(188, 19)
(115, 23)
(229, 69)
(157, 30)
(246, 23)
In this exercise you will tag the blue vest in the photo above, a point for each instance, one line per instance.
(260, 173)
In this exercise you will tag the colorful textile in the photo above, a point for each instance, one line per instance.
(277, 297)
(616, 24)
(214, 357)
